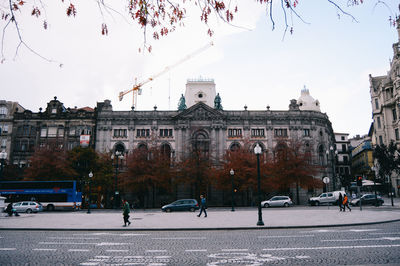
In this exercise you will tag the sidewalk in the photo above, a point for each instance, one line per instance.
(218, 219)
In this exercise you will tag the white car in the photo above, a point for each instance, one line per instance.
(28, 206)
(277, 201)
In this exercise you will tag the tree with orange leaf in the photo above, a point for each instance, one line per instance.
(157, 18)
(50, 162)
(147, 171)
(292, 164)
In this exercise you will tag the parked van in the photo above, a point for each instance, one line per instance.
(326, 198)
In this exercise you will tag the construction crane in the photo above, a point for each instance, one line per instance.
(137, 88)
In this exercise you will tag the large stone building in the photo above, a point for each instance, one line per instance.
(7, 110)
(385, 100)
(67, 127)
(201, 121)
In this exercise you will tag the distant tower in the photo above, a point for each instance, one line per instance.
(308, 103)
(200, 90)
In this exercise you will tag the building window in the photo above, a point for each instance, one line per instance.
(52, 132)
(344, 148)
(120, 133)
(234, 132)
(345, 159)
(43, 132)
(342, 138)
(394, 113)
(281, 132)
(257, 132)
(143, 133)
(3, 143)
(376, 104)
(72, 131)
(54, 110)
(396, 133)
(378, 120)
(165, 132)
(3, 111)
(306, 132)
(380, 140)
(61, 131)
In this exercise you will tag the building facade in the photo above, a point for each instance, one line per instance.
(385, 101)
(203, 123)
(342, 159)
(7, 110)
(66, 127)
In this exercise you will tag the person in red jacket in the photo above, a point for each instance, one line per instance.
(345, 203)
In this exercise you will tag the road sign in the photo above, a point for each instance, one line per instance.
(325, 180)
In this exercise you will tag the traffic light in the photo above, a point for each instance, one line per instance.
(359, 181)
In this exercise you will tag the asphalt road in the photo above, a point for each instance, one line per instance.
(358, 245)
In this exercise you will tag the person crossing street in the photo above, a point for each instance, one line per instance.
(203, 206)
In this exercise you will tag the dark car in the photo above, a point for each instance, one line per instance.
(181, 205)
(367, 199)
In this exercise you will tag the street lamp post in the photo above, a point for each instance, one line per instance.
(3, 157)
(118, 155)
(257, 151)
(90, 190)
(232, 173)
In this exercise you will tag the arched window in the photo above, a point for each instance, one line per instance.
(120, 148)
(234, 146)
(166, 150)
(201, 143)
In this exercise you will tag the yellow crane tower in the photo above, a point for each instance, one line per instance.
(137, 88)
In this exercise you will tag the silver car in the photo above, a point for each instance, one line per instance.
(277, 201)
(28, 206)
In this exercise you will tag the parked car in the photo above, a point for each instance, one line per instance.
(277, 201)
(181, 205)
(28, 206)
(367, 199)
(326, 198)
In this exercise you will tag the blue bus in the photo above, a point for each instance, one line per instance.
(53, 195)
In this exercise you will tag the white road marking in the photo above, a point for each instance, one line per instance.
(75, 238)
(128, 260)
(384, 233)
(334, 247)
(234, 250)
(78, 250)
(362, 239)
(339, 231)
(117, 250)
(82, 243)
(156, 250)
(7, 248)
(44, 249)
(111, 234)
(179, 238)
(196, 250)
(290, 236)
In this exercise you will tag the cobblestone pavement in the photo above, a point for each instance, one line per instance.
(353, 245)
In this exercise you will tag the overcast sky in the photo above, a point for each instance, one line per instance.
(251, 64)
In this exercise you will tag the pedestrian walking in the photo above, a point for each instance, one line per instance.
(203, 206)
(10, 210)
(345, 203)
(126, 211)
(340, 202)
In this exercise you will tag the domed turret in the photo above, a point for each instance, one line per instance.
(308, 103)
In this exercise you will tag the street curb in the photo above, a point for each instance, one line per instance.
(199, 229)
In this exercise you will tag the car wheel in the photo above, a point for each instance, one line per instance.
(50, 207)
(266, 205)
(28, 211)
(192, 209)
(167, 210)
(286, 204)
(317, 203)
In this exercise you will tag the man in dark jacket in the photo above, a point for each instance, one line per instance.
(126, 211)
(203, 206)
